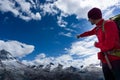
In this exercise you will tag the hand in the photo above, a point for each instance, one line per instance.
(78, 36)
(96, 44)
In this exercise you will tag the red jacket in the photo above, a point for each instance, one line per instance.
(107, 39)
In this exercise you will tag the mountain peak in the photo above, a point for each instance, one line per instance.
(5, 55)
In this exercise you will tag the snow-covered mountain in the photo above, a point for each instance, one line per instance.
(8, 61)
(5, 55)
(13, 69)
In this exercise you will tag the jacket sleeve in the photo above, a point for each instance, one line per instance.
(111, 35)
(88, 33)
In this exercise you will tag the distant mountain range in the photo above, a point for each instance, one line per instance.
(13, 69)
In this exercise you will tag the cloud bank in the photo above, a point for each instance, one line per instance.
(80, 53)
(81, 7)
(35, 9)
(17, 49)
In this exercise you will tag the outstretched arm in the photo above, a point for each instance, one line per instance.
(88, 33)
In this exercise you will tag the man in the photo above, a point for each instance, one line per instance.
(108, 42)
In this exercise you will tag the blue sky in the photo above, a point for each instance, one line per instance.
(40, 31)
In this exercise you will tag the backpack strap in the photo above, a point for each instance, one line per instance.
(103, 29)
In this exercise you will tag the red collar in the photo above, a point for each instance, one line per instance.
(100, 22)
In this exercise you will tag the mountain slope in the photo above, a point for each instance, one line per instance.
(13, 69)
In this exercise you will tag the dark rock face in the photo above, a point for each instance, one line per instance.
(5, 55)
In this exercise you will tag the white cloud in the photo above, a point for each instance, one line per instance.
(61, 22)
(26, 18)
(43, 61)
(8, 6)
(23, 10)
(85, 50)
(84, 47)
(28, 62)
(40, 56)
(70, 30)
(24, 6)
(65, 34)
(64, 58)
(81, 7)
(109, 13)
(48, 8)
(36, 16)
(16, 48)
